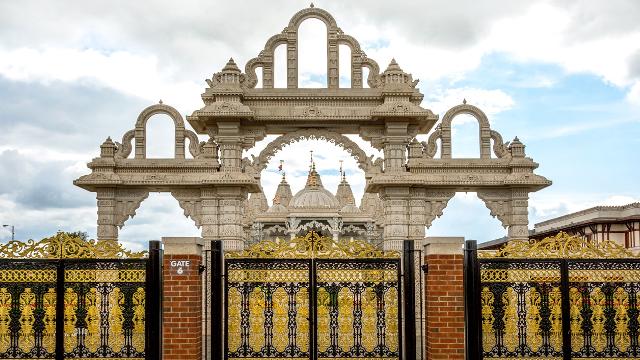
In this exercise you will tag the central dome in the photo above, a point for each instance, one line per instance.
(314, 195)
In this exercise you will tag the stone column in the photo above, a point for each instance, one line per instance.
(230, 209)
(209, 218)
(519, 226)
(107, 228)
(395, 147)
(417, 212)
(396, 217)
(182, 301)
(444, 298)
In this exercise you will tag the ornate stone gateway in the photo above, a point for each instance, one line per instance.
(312, 298)
(409, 187)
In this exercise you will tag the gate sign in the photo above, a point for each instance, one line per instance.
(179, 267)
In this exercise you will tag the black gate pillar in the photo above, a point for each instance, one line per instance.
(409, 301)
(154, 302)
(217, 294)
(472, 308)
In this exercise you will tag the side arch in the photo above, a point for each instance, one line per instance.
(140, 130)
(485, 129)
(364, 162)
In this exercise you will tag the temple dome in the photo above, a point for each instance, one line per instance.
(314, 195)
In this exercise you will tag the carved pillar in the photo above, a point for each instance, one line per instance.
(396, 217)
(267, 72)
(417, 214)
(356, 69)
(209, 216)
(230, 210)
(333, 71)
(107, 229)
(395, 147)
(292, 59)
(519, 226)
(230, 143)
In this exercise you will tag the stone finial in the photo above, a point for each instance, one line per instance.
(464, 101)
(230, 78)
(231, 67)
(516, 148)
(108, 148)
(394, 76)
(415, 149)
(160, 102)
(311, 5)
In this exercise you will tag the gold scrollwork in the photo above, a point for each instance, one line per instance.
(256, 319)
(313, 246)
(561, 245)
(65, 246)
(352, 275)
(534, 337)
(510, 319)
(234, 305)
(555, 304)
(49, 333)
(106, 276)
(26, 340)
(280, 304)
(604, 275)
(138, 319)
(575, 311)
(621, 306)
(261, 276)
(392, 337)
(28, 276)
(302, 319)
(345, 319)
(92, 305)
(598, 337)
(5, 319)
(324, 318)
(488, 333)
(369, 315)
(70, 318)
(116, 319)
(519, 275)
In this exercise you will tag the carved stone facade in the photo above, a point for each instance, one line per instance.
(406, 189)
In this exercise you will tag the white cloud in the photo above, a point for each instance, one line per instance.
(491, 102)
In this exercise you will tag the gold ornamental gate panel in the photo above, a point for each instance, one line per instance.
(312, 298)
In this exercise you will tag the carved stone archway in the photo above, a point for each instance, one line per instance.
(212, 187)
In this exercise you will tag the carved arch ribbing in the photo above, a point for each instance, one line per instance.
(364, 162)
(485, 129)
(289, 36)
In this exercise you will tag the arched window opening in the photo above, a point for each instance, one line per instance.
(465, 137)
(160, 137)
(259, 85)
(365, 76)
(466, 215)
(280, 66)
(158, 216)
(312, 54)
(344, 66)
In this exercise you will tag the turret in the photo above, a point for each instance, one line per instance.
(283, 193)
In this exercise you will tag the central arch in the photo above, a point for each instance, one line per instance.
(365, 163)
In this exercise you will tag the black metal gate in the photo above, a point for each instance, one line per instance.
(561, 298)
(312, 298)
(64, 298)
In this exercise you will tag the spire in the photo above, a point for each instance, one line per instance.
(344, 194)
(283, 193)
(313, 179)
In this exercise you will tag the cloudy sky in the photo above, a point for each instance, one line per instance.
(564, 76)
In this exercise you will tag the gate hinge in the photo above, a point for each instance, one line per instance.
(201, 268)
(425, 268)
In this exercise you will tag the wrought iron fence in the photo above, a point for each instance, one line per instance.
(560, 298)
(64, 298)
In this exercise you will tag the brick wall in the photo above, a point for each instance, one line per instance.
(182, 322)
(445, 307)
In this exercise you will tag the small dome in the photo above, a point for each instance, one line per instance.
(277, 209)
(314, 198)
(350, 209)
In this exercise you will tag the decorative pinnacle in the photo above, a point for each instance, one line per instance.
(311, 5)
(231, 67)
(160, 102)
(393, 66)
(342, 174)
(464, 101)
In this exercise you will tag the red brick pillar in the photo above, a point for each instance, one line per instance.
(444, 299)
(182, 307)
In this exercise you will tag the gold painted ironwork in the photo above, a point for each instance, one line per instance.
(369, 316)
(256, 319)
(562, 246)
(5, 319)
(139, 298)
(234, 305)
(64, 246)
(510, 318)
(324, 318)
(488, 333)
(534, 336)
(26, 340)
(302, 319)
(598, 336)
(520, 275)
(92, 305)
(262, 276)
(49, 333)
(280, 304)
(28, 276)
(345, 319)
(116, 319)
(313, 246)
(575, 312)
(391, 305)
(357, 275)
(555, 305)
(604, 275)
(621, 306)
(70, 318)
(105, 276)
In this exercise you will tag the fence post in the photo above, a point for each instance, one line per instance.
(217, 295)
(154, 302)
(409, 301)
(472, 308)
(566, 311)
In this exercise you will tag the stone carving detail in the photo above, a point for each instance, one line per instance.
(124, 150)
(127, 201)
(364, 162)
(499, 204)
(191, 203)
(289, 37)
(435, 203)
